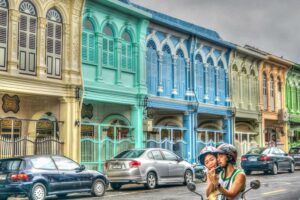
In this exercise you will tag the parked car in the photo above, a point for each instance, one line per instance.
(270, 159)
(42, 175)
(150, 167)
(295, 153)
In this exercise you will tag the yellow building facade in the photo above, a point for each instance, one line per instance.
(40, 77)
(272, 75)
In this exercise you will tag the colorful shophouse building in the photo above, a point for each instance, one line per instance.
(293, 104)
(113, 62)
(40, 76)
(188, 87)
(272, 81)
(244, 90)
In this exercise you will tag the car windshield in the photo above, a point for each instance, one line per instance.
(130, 154)
(11, 165)
(295, 150)
(259, 151)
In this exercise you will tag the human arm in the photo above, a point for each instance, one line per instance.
(236, 188)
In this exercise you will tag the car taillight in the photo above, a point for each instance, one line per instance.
(19, 177)
(134, 163)
(264, 158)
(244, 158)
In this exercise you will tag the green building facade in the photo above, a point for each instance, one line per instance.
(113, 64)
(293, 104)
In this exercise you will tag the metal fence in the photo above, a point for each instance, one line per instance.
(21, 146)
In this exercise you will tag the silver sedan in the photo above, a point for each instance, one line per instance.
(150, 167)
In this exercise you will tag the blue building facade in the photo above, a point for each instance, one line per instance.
(188, 87)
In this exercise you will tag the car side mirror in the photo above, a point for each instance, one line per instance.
(80, 168)
(179, 159)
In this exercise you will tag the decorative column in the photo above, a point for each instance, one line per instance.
(187, 123)
(229, 130)
(160, 88)
(269, 93)
(41, 69)
(206, 65)
(66, 66)
(99, 45)
(175, 78)
(140, 78)
(137, 123)
(70, 130)
(12, 54)
(118, 55)
(188, 78)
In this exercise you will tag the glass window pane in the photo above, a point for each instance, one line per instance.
(43, 163)
(65, 163)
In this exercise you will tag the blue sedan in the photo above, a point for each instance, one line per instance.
(40, 176)
(268, 160)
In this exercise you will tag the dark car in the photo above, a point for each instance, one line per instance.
(270, 159)
(295, 153)
(44, 175)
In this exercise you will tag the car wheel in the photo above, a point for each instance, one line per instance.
(151, 180)
(61, 195)
(38, 192)
(188, 177)
(275, 169)
(116, 186)
(292, 168)
(247, 172)
(98, 188)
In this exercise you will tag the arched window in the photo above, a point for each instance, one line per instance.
(126, 57)
(3, 33)
(108, 47)
(167, 71)
(54, 43)
(279, 93)
(222, 82)
(211, 80)
(272, 93)
(27, 37)
(265, 91)
(152, 67)
(181, 74)
(199, 77)
(89, 46)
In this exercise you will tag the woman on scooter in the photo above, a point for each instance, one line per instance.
(208, 158)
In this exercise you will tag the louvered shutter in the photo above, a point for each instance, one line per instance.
(129, 58)
(222, 85)
(124, 56)
(50, 50)
(169, 75)
(105, 51)
(58, 49)
(91, 47)
(3, 37)
(199, 79)
(84, 46)
(111, 53)
(149, 69)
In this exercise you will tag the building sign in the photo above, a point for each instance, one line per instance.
(10, 103)
(87, 111)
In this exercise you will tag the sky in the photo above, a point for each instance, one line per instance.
(270, 25)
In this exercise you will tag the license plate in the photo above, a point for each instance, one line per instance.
(252, 159)
(2, 177)
(117, 166)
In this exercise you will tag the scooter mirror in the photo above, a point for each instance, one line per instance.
(255, 184)
(191, 187)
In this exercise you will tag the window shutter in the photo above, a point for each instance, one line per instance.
(3, 37)
(105, 51)
(111, 53)
(84, 46)
(124, 55)
(91, 51)
(129, 58)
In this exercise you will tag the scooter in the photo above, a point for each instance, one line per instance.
(255, 184)
(200, 172)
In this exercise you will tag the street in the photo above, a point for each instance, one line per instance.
(276, 187)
